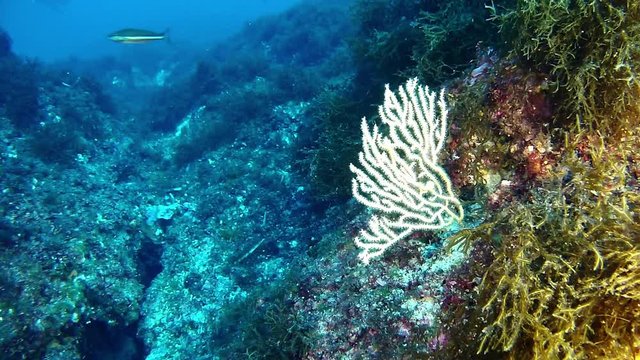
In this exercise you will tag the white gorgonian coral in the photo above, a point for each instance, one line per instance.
(399, 176)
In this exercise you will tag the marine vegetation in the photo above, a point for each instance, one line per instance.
(558, 254)
(590, 48)
(335, 114)
(451, 31)
(18, 88)
(433, 39)
(565, 281)
(385, 38)
(5, 43)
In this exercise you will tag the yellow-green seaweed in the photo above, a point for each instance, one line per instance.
(565, 281)
(591, 49)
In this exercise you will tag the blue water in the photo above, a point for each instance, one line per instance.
(54, 30)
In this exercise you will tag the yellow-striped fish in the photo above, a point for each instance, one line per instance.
(136, 36)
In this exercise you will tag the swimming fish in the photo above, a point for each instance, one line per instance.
(136, 36)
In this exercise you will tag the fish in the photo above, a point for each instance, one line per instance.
(136, 36)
